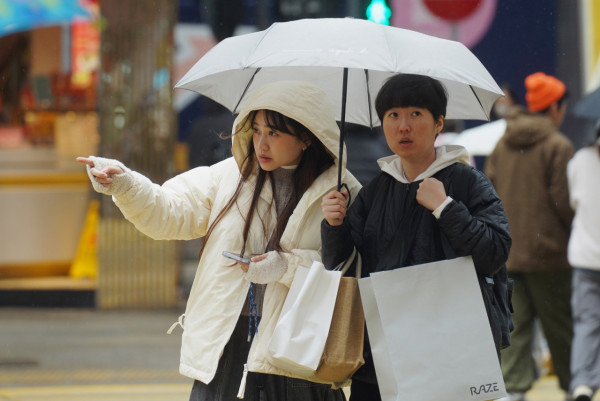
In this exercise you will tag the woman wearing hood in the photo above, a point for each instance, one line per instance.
(263, 203)
(426, 205)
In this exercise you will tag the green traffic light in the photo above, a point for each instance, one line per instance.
(379, 12)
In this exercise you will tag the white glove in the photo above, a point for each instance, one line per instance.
(268, 270)
(121, 182)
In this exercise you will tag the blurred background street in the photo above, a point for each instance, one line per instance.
(85, 354)
(91, 355)
(85, 299)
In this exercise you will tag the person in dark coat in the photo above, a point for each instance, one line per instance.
(424, 196)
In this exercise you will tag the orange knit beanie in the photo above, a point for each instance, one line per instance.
(542, 91)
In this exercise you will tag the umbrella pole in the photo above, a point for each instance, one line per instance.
(342, 127)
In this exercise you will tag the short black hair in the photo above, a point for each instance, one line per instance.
(412, 90)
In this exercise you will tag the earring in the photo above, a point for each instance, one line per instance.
(303, 148)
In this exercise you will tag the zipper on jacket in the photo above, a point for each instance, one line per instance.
(242, 389)
(179, 322)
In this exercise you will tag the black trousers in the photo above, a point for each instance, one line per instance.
(259, 386)
(363, 391)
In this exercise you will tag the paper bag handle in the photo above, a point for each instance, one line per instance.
(345, 265)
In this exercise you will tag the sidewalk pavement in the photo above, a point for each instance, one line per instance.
(48, 347)
(545, 389)
(133, 392)
(94, 355)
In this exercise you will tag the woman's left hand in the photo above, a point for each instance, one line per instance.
(431, 193)
(254, 259)
(266, 268)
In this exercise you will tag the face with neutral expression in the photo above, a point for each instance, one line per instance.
(410, 133)
(275, 148)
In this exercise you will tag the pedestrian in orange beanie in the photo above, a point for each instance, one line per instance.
(542, 91)
(528, 169)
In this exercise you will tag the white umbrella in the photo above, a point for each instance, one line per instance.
(481, 140)
(349, 59)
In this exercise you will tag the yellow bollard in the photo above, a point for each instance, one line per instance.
(85, 264)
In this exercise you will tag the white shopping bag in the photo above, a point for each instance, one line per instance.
(430, 335)
(299, 337)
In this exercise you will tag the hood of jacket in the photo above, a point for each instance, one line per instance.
(445, 155)
(301, 101)
(524, 129)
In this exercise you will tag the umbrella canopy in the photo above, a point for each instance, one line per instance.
(20, 15)
(319, 50)
(589, 106)
(349, 59)
(481, 140)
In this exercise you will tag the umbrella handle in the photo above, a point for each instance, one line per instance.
(342, 128)
(349, 198)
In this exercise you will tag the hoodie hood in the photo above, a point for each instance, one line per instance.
(524, 129)
(301, 101)
(445, 155)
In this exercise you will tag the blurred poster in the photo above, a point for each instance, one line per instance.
(469, 30)
(590, 16)
(85, 53)
(85, 48)
(192, 41)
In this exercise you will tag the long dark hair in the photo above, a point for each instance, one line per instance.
(315, 160)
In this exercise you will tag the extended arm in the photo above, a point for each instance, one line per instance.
(179, 209)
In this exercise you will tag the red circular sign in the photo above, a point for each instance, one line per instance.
(452, 10)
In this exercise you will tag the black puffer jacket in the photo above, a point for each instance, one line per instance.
(391, 230)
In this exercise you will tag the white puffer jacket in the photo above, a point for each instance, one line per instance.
(184, 207)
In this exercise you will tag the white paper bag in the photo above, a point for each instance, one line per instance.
(299, 337)
(429, 333)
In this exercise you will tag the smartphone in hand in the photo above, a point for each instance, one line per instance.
(236, 257)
